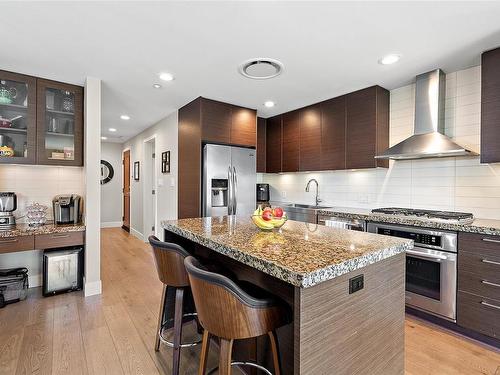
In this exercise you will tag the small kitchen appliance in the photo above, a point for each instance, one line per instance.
(62, 270)
(263, 193)
(8, 204)
(67, 209)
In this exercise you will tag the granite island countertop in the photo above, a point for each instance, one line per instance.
(479, 226)
(49, 228)
(301, 254)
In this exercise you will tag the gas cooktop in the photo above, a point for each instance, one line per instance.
(442, 216)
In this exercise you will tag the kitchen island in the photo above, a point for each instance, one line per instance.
(345, 289)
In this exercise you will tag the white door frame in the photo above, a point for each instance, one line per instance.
(149, 218)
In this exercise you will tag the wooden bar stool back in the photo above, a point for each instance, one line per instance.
(169, 260)
(227, 311)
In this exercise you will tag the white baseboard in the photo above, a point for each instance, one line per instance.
(92, 288)
(35, 281)
(112, 224)
(137, 234)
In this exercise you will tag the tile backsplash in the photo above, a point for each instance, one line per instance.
(40, 184)
(457, 184)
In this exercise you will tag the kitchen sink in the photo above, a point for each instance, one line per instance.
(307, 206)
(303, 212)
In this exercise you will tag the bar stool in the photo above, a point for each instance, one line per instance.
(169, 260)
(228, 312)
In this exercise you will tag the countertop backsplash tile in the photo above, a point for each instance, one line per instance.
(40, 184)
(456, 184)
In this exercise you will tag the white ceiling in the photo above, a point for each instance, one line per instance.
(327, 48)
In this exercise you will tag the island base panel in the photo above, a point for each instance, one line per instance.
(359, 333)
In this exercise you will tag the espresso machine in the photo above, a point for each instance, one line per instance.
(8, 204)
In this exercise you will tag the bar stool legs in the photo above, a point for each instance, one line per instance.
(179, 298)
(160, 317)
(225, 354)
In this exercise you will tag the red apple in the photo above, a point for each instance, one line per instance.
(278, 212)
(268, 209)
(267, 215)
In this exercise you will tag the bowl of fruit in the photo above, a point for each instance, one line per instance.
(269, 218)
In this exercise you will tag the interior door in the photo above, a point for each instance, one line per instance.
(126, 190)
(244, 168)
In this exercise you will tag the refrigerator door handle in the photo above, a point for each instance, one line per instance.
(230, 191)
(235, 188)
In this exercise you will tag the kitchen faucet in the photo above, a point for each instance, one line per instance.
(318, 201)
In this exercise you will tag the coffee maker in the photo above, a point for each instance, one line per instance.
(263, 193)
(67, 209)
(8, 204)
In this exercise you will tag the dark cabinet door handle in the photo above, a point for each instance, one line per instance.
(490, 305)
(60, 235)
(491, 240)
(490, 262)
(9, 241)
(490, 283)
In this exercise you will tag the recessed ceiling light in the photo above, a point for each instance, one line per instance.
(261, 68)
(104, 138)
(269, 104)
(125, 117)
(157, 86)
(166, 77)
(112, 130)
(389, 59)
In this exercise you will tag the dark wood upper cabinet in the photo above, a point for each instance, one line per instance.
(490, 106)
(216, 121)
(291, 141)
(310, 138)
(243, 126)
(273, 144)
(333, 126)
(367, 127)
(261, 145)
(189, 139)
(17, 118)
(59, 123)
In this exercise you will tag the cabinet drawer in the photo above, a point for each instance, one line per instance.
(20, 243)
(48, 241)
(479, 244)
(479, 314)
(488, 287)
(485, 266)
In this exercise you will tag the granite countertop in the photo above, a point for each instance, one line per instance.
(301, 254)
(25, 230)
(480, 226)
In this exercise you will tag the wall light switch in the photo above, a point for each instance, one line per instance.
(172, 182)
(160, 182)
(283, 194)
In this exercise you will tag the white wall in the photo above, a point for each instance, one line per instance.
(166, 140)
(111, 193)
(36, 184)
(458, 184)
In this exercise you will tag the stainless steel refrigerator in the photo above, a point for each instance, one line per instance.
(229, 180)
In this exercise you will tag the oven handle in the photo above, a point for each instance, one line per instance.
(438, 258)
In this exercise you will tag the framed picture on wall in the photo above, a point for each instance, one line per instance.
(136, 171)
(165, 162)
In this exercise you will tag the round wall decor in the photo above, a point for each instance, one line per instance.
(107, 172)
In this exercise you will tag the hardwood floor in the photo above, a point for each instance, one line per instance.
(114, 333)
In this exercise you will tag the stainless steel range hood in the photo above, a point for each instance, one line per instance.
(428, 140)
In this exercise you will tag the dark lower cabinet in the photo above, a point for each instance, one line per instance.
(310, 138)
(291, 141)
(273, 144)
(490, 106)
(478, 298)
